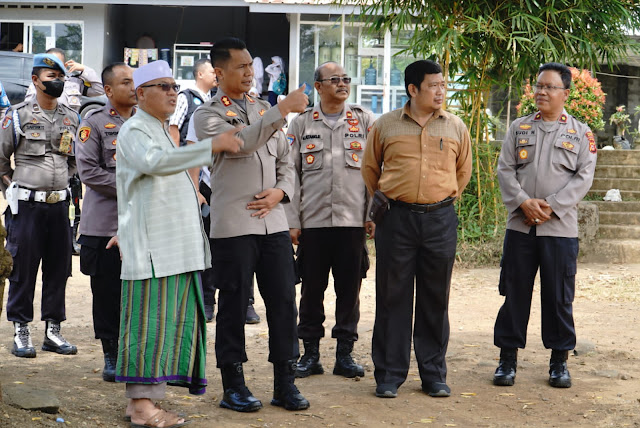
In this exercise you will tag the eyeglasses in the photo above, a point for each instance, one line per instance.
(539, 88)
(336, 80)
(164, 86)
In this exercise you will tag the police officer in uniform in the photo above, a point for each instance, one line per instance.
(545, 168)
(96, 159)
(40, 135)
(327, 214)
(249, 228)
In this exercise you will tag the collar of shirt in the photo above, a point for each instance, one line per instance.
(406, 111)
(346, 115)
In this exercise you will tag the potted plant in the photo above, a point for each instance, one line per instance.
(622, 121)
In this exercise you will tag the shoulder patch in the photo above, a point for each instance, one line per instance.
(83, 133)
(6, 122)
(291, 138)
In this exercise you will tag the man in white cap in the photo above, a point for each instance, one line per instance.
(162, 324)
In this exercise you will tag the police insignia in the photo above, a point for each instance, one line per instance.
(523, 154)
(251, 100)
(522, 141)
(34, 120)
(592, 142)
(291, 138)
(35, 134)
(230, 113)
(567, 145)
(592, 148)
(114, 156)
(355, 157)
(310, 159)
(261, 112)
(368, 130)
(349, 115)
(571, 131)
(6, 122)
(113, 112)
(537, 116)
(354, 129)
(226, 101)
(311, 146)
(563, 118)
(83, 133)
(525, 126)
(66, 121)
(355, 145)
(110, 125)
(114, 142)
(353, 122)
(316, 115)
(49, 62)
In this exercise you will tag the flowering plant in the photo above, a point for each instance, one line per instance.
(620, 119)
(585, 102)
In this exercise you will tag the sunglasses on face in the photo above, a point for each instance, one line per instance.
(336, 80)
(165, 86)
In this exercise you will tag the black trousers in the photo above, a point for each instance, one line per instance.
(39, 232)
(339, 249)
(557, 258)
(103, 266)
(235, 260)
(410, 246)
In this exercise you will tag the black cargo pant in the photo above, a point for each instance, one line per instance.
(40, 231)
(235, 260)
(103, 266)
(557, 258)
(420, 246)
(339, 249)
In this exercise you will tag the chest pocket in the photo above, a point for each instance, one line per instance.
(525, 150)
(311, 154)
(565, 153)
(109, 151)
(35, 142)
(353, 152)
(272, 147)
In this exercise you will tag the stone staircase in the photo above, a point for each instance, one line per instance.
(618, 236)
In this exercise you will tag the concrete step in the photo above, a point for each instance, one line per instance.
(620, 218)
(618, 157)
(608, 206)
(617, 171)
(627, 195)
(617, 183)
(611, 251)
(618, 231)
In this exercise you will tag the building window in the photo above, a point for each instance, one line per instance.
(38, 36)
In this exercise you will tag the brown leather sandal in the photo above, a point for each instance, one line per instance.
(169, 419)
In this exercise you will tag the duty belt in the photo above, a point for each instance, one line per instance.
(423, 208)
(49, 196)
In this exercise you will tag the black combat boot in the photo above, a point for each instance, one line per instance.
(22, 345)
(54, 342)
(285, 393)
(559, 376)
(110, 350)
(236, 395)
(345, 366)
(309, 364)
(505, 374)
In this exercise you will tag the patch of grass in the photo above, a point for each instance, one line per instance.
(473, 254)
(609, 287)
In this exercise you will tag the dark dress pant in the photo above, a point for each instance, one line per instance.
(422, 247)
(557, 258)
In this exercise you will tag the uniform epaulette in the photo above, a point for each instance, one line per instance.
(95, 110)
(19, 105)
(356, 107)
(307, 110)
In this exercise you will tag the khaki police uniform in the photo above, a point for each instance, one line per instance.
(96, 158)
(43, 150)
(243, 245)
(556, 162)
(329, 205)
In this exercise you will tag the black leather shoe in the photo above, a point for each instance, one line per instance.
(505, 374)
(208, 312)
(252, 315)
(437, 389)
(285, 393)
(559, 376)
(240, 399)
(309, 364)
(345, 366)
(54, 342)
(386, 390)
(110, 350)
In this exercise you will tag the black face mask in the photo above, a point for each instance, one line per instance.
(53, 88)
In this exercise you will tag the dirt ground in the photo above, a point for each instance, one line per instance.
(606, 389)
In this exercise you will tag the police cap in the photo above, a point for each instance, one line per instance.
(48, 61)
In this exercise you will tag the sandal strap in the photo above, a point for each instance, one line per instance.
(169, 419)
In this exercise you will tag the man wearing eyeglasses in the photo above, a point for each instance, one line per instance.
(545, 168)
(327, 216)
(162, 324)
(419, 157)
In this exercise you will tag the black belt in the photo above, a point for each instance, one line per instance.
(423, 208)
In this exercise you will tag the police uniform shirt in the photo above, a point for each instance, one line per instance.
(236, 178)
(96, 159)
(87, 83)
(42, 146)
(329, 189)
(555, 164)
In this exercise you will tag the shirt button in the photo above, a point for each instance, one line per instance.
(424, 176)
